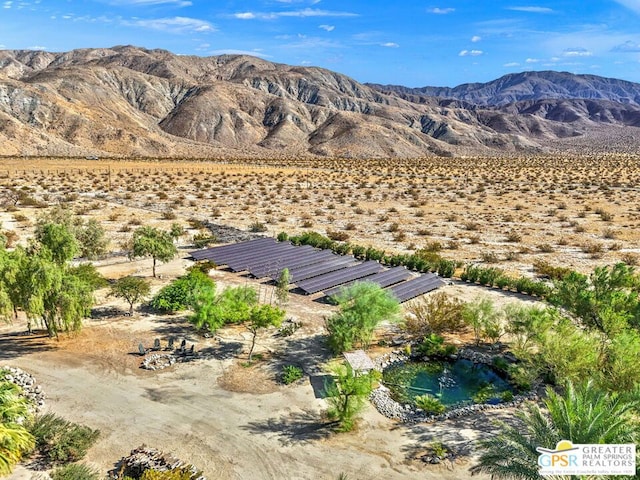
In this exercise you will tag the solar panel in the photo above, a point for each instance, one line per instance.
(383, 279)
(413, 288)
(273, 269)
(308, 271)
(239, 264)
(205, 253)
(280, 257)
(331, 279)
(223, 257)
(220, 257)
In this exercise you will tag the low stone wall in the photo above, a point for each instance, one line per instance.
(30, 388)
(406, 413)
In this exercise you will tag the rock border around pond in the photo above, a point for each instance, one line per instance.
(407, 413)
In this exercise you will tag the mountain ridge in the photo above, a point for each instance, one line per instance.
(133, 101)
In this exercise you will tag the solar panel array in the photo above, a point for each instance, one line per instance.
(384, 279)
(413, 288)
(344, 275)
(313, 270)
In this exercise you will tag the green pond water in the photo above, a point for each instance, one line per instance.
(452, 382)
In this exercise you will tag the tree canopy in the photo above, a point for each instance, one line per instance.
(154, 243)
(362, 306)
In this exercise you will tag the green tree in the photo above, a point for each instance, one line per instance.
(582, 414)
(607, 299)
(92, 239)
(15, 440)
(179, 294)
(347, 394)
(282, 286)
(570, 353)
(362, 306)
(58, 242)
(132, 289)
(479, 314)
(206, 312)
(176, 231)
(260, 317)
(527, 325)
(154, 243)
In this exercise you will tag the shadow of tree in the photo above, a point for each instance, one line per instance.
(461, 434)
(298, 427)
(14, 345)
(308, 353)
(223, 351)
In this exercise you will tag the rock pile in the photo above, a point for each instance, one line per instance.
(146, 458)
(30, 389)
(158, 361)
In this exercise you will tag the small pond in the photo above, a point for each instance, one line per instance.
(452, 383)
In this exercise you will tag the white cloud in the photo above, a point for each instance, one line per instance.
(390, 45)
(441, 11)
(36, 47)
(313, 12)
(476, 38)
(627, 46)
(531, 9)
(511, 64)
(304, 13)
(231, 51)
(532, 60)
(7, 4)
(470, 53)
(173, 25)
(245, 15)
(576, 52)
(328, 28)
(630, 4)
(147, 3)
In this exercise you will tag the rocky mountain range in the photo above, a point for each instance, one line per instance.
(136, 102)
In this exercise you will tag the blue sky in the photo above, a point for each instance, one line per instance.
(439, 43)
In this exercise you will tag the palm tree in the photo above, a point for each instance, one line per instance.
(581, 414)
(15, 440)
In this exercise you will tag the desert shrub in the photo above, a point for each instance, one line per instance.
(75, 471)
(435, 313)
(203, 239)
(282, 237)
(490, 257)
(177, 295)
(314, 239)
(429, 404)
(342, 248)
(257, 227)
(486, 393)
(446, 268)
(506, 396)
(61, 441)
(545, 269)
(514, 236)
(358, 251)
(178, 473)
(433, 346)
(546, 248)
(291, 373)
(337, 236)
